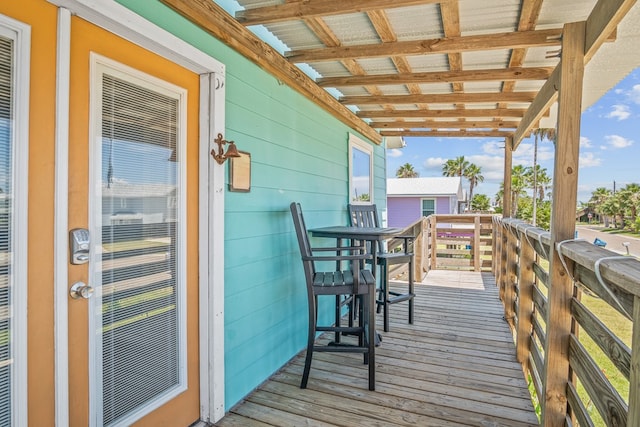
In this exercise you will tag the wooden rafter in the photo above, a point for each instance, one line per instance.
(441, 98)
(461, 76)
(315, 8)
(449, 124)
(451, 134)
(482, 42)
(469, 112)
(428, 95)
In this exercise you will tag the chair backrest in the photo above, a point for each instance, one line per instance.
(303, 238)
(364, 216)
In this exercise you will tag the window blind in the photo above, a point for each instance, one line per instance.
(6, 227)
(139, 307)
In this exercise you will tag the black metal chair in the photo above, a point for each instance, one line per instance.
(367, 216)
(354, 282)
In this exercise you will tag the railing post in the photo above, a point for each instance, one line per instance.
(510, 275)
(565, 179)
(526, 279)
(418, 250)
(434, 241)
(504, 250)
(476, 244)
(634, 379)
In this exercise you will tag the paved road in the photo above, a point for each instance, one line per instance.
(614, 241)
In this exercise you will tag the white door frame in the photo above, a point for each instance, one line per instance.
(121, 21)
(20, 33)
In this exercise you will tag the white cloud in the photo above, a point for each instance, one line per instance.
(433, 165)
(634, 94)
(617, 141)
(619, 112)
(492, 166)
(589, 160)
(585, 142)
(493, 147)
(394, 152)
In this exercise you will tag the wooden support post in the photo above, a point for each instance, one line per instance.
(506, 188)
(506, 213)
(565, 180)
(497, 253)
(634, 391)
(434, 242)
(477, 262)
(510, 277)
(526, 278)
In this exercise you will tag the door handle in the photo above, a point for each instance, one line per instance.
(80, 290)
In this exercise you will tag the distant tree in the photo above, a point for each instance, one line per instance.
(474, 174)
(542, 134)
(518, 185)
(480, 202)
(596, 202)
(455, 167)
(406, 171)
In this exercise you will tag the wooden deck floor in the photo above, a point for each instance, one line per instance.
(454, 366)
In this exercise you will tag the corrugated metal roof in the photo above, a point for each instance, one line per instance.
(344, 41)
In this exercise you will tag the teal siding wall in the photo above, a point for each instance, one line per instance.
(299, 152)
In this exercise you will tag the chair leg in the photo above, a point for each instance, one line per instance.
(411, 292)
(311, 337)
(384, 282)
(370, 330)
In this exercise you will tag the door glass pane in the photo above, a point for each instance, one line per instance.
(140, 318)
(6, 226)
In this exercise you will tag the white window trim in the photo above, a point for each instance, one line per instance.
(21, 35)
(355, 142)
(123, 22)
(435, 205)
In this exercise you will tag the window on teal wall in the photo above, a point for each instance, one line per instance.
(428, 207)
(360, 171)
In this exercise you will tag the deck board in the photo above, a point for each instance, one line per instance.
(454, 366)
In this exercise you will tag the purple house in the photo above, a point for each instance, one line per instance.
(409, 199)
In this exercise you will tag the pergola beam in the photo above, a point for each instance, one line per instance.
(453, 133)
(426, 114)
(440, 98)
(458, 76)
(293, 10)
(450, 124)
(512, 40)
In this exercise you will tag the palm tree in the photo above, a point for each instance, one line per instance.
(518, 185)
(406, 171)
(480, 202)
(540, 133)
(630, 200)
(455, 167)
(596, 202)
(474, 174)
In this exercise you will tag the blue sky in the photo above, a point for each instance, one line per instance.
(609, 147)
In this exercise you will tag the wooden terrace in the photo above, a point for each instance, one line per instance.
(456, 365)
(486, 318)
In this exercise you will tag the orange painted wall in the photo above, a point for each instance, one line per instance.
(41, 16)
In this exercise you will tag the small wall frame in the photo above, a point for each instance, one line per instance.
(240, 173)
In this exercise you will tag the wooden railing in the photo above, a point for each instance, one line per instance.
(458, 242)
(521, 256)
